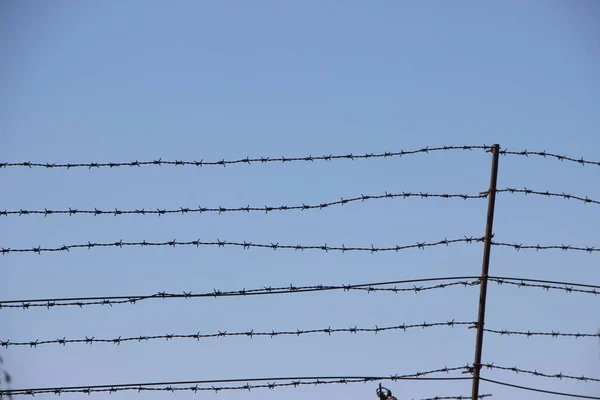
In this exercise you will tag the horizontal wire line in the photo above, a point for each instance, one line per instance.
(579, 396)
(545, 154)
(245, 245)
(567, 287)
(563, 247)
(541, 374)
(526, 191)
(220, 209)
(250, 334)
(506, 332)
(247, 160)
(292, 381)
(547, 285)
(309, 158)
(267, 290)
(266, 209)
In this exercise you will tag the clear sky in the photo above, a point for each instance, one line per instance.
(142, 80)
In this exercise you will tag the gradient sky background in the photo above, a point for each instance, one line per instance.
(120, 81)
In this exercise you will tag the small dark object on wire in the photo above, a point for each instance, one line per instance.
(384, 393)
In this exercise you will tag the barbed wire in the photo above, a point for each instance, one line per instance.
(526, 191)
(245, 245)
(267, 290)
(560, 375)
(563, 247)
(250, 334)
(545, 154)
(550, 334)
(248, 209)
(272, 383)
(579, 396)
(247, 160)
(567, 287)
(266, 209)
(310, 158)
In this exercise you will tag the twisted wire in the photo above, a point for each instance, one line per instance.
(271, 383)
(310, 158)
(545, 154)
(559, 375)
(247, 160)
(248, 209)
(567, 287)
(526, 191)
(250, 334)
(244, 245)
(267, 290)
(267, 209)
(550, 334)
(563, 247)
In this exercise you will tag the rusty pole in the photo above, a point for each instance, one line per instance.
(485, 270)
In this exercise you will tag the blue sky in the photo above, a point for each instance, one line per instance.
(114, 81)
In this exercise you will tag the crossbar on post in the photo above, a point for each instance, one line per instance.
(485, 268)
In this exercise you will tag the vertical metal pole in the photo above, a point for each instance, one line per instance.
(485, 270)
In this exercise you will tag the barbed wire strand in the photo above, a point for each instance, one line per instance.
(250, 334)
(563, 247)
(567, 287)
(271, 383)
(266, 290)
(545, 154)
(580, 396)
(245, 245)
(247, 160)
(248, 209)
(310, 158)
(267, 209)
(560, 375)
(550, 334)
(546, 193)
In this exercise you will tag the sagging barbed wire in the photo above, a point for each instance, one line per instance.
(251, 333)
(266, 290)
(309, 158)
(244, 245)
(217, 385)
(267, 209)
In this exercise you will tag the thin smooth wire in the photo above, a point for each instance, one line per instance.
(580, 396)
